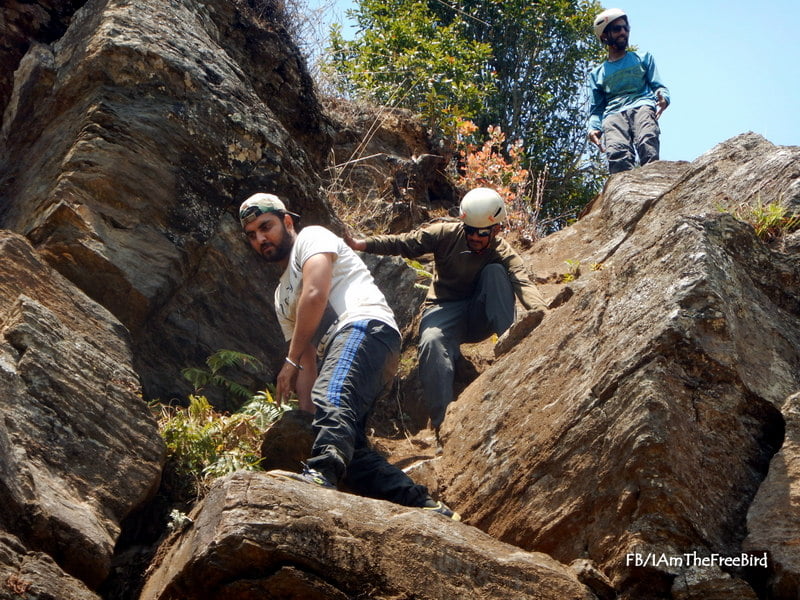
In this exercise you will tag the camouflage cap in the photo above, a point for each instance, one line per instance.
(258, 204)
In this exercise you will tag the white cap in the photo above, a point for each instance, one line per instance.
(258, 204)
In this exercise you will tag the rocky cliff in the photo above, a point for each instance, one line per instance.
(640, 442)
(640, 418)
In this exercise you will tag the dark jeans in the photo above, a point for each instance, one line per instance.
(446, 325)
(358, 367)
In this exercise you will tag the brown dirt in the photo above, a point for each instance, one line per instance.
(399, 427)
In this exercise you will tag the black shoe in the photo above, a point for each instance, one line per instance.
(310, 476)
(441, 508)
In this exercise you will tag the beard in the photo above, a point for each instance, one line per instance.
(273, 253)
(475, 246)
(621, 43)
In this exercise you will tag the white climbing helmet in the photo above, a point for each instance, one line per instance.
(602, 20)
(482, 207)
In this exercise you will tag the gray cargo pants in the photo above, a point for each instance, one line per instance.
(358, 366)
(628, 131)
(446, 325)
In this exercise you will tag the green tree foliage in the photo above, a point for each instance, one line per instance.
(541, 52)
(530, 82)
(404, 56)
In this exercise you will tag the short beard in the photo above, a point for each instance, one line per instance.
(283, 249)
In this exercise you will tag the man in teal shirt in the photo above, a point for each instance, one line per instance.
(627, 97)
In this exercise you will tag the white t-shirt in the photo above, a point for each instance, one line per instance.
(353, 296)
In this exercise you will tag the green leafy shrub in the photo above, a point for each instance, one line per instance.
(203, 444)
(771, 221)
(216, 363)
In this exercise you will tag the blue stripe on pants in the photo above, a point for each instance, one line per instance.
(356, 335)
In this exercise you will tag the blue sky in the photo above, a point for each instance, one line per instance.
(731, 67)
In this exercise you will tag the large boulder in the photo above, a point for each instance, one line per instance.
(773, 521)
(637, 421)
(259, 536)
(129, 142)
(126, 147)
(79, 449)
(27, 574)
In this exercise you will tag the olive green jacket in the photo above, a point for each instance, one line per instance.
(457, 268)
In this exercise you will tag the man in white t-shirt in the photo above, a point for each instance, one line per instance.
(344, 346)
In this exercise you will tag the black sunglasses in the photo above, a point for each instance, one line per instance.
(618, 28)
(479, 231)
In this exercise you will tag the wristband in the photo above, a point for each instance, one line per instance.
(294, 364)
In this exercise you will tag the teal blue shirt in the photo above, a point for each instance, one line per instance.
(623, 84)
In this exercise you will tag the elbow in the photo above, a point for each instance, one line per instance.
(315, 297)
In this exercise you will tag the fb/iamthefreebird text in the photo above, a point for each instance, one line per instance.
(694, 559)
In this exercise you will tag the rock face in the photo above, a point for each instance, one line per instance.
(24, 23)
(639, 419)
(129, 141)
(27, 574)
(256, 535)
(384, 160)
(773, 521)
(128, 144)
(78, 448)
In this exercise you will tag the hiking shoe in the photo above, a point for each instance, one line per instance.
(310, 476)
(441, 508)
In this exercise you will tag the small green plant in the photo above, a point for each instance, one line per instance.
(423, 275)
(216, 363)
(574, 271)
(419, 268)
(264, 410)
(178, 520)
(203, 444)
(771, 220)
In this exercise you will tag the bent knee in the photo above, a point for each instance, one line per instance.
(430, 336)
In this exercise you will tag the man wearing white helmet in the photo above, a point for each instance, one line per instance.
(627, 97)
(343, 350)
(476, 277)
